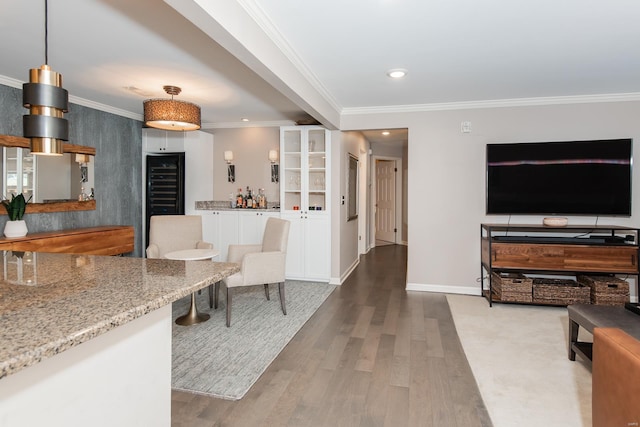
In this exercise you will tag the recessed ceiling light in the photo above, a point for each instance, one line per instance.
(386, 132)
(244, 119)
(397, 73)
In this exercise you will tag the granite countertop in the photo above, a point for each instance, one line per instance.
(217, 205)
(57, 301)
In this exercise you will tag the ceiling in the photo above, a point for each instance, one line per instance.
(113, 54)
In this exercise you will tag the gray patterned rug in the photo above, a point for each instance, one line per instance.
(211, 359)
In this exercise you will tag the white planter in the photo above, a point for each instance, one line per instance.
(15, 229)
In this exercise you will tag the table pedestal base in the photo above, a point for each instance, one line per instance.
(192, 317)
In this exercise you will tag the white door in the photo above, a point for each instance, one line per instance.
(386, 200)
(249, 228)
(227, 232)
(295, 248)
(221, 229)
(316, 247)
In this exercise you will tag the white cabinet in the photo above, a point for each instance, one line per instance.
(308, 252)
(162, 141)
(224, 228)
(221, 229)
(305, 200)
(251, 226)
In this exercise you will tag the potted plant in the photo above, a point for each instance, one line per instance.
(15, 227)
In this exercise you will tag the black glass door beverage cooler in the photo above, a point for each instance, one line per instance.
(165, 186)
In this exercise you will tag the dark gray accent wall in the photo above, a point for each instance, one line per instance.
(118, 171)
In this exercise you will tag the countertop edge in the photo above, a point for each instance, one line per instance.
(37, 354)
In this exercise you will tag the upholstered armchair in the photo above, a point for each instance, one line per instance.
(168, 233)
(616, 370)
(260, 264)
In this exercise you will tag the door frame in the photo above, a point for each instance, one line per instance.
(363, 193)
(398, 165)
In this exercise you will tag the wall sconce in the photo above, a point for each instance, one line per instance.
(82, 160)
(275, 173)
(231, 169)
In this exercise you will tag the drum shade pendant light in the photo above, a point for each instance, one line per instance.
(47, 102)
(169, 114)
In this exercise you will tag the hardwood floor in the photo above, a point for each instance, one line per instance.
(372, 355)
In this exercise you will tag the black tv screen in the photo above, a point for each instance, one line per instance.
(560, 178)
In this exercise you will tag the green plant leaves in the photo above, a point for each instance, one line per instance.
(16, 206)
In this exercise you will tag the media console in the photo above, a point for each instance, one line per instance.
(570, 250)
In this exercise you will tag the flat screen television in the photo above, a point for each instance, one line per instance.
(560, 178)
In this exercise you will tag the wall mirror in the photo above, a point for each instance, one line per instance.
(57, 183)
(352, 188)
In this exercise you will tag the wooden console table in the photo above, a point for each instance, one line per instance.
(570, 250)
(103, 240)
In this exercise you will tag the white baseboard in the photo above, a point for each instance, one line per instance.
(464, 290)
(340, 280)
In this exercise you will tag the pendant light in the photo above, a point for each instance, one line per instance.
(169, 114)
(47, 102)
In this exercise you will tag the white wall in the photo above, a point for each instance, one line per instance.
(53, 177)
(446, 169)
(344, 249)
(198, 169)
(250, 148)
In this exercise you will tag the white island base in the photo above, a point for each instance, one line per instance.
(120, 378)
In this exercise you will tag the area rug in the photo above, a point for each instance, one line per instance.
(209, 358)
(518, 354)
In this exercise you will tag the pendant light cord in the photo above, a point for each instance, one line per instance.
(46, 32)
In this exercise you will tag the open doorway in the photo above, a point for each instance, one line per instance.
(387, 186)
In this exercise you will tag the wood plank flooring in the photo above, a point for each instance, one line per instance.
(372, 355)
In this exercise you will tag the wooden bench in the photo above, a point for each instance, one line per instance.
(598, 316)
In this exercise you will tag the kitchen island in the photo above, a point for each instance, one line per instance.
(86, 340)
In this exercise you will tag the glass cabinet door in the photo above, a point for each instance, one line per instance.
(18, 165)
(292, 173)
(316, 161)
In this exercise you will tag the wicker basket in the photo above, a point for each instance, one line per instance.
(606, 290)
(511, 287)
(560, 292)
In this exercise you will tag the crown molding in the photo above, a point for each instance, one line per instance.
(270, 29)
(497, 103)
(8, 81)
(257, 124)
(105, 108)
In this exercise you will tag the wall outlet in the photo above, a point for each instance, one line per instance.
(465, 127)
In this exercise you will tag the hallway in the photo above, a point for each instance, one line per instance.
(372, 355)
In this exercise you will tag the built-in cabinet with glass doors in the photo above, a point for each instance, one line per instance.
(305, 200)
